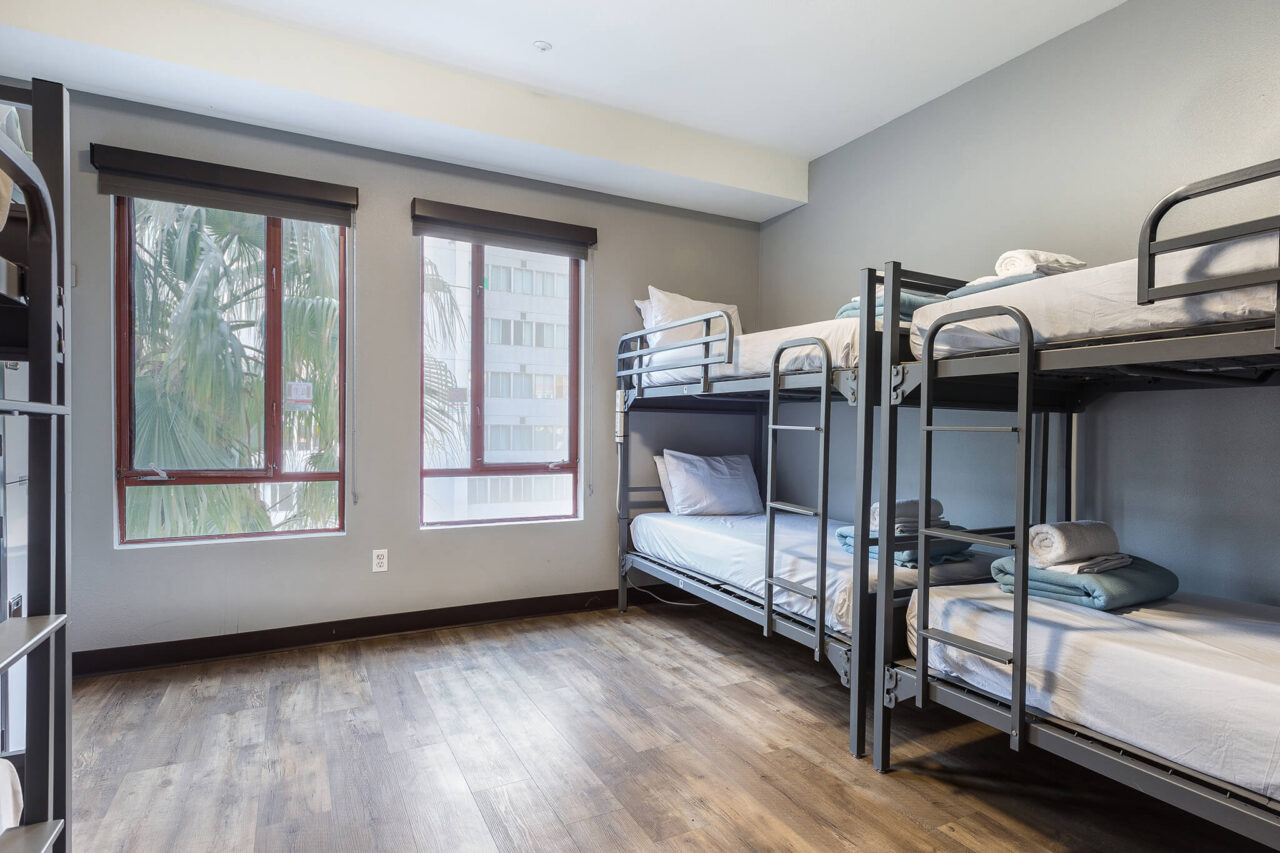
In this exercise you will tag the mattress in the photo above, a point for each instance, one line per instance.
(730, 548)
(753, 353)
(1192, 679)
(1102, 301)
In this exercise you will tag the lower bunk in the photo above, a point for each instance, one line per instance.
(721, 559)
(1178, 698)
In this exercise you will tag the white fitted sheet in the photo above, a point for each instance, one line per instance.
(1192, 679)
(753, 353)
(730, 548)
(1101, 301)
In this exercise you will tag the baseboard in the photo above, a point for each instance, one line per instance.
(152, 655)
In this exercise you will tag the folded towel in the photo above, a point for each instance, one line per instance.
(1098, 565)
(1135, 584)
(938, 548)
(940, 551)
(935, 559)
(907, 514)
(1070, 542)
(1023, 261)
(908, 303)
(991, 282)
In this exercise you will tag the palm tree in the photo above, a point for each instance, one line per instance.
(199, 375)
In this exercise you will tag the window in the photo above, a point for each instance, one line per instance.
(230, 384)
(522, 281)
(502, 447)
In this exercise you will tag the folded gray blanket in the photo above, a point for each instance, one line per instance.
(1137, 583)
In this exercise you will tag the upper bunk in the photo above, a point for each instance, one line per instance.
(32, 251)
(701, 363)
(1191, 311)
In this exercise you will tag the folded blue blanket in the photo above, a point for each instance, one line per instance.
(908, 302)
(941, 551)
(1137, 583)
(993, 283)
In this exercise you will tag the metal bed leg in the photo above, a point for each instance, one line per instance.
(890, 355)
(862, 618)
(621, 437)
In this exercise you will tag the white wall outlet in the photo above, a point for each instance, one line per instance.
(379, 559)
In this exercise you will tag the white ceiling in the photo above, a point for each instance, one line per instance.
(712, 105)
(797, 76)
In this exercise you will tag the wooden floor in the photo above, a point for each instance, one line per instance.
(662, 728)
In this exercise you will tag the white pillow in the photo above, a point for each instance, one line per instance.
(642, 305)
(712, 485)
(664, 481)
(667, 307)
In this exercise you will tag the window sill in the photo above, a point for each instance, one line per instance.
(238, 538)
(469, 525)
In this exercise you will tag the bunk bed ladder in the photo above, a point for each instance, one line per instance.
(1016, 656)
(773, 506)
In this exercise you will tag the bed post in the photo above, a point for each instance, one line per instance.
(860, 619)
(620, 437)
(51, 141)
(890, 355)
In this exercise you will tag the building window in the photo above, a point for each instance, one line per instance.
(230, 386)
(500, 418)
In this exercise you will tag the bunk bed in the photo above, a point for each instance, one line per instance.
(34, 240)
(1087, 685)
(767, 568)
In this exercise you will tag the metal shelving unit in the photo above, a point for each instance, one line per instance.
(35, 240)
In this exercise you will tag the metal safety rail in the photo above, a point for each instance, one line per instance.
(1149, 248)
(635, 354)
(773, 506)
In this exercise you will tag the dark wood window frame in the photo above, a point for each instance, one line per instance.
(128, 476)
(478, 467)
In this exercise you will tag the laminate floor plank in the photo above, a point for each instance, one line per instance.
(662, 728)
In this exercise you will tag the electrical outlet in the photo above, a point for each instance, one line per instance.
(379, 559)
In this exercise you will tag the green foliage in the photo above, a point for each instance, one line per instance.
(199, 381)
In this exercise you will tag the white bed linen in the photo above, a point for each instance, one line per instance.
(753, 353)
(730, 548)
(1102, 301)
(1192, 679)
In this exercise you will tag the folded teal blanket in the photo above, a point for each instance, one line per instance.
(1137, 583)
(908, 302)
(941, 551)
(991, 283)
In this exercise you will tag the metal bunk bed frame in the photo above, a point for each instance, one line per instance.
(760, 396)
(1067, 377)
(36, 240)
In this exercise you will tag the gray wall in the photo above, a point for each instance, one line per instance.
(1066, 148)
(123, 596)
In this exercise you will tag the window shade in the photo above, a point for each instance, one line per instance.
(473, 225)
(141, 174)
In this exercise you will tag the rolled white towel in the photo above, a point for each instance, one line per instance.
(1025, 261)
(906, 514)
(1070, 542)
(1096, 566)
